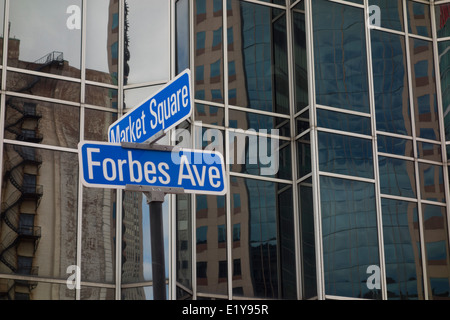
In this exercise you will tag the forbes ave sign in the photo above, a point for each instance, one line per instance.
(107, 165)
(160, 112)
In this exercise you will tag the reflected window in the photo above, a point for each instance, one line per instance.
(349, 235)
(390, 83)
(340, 56)
(57, 49)
(345, 155)
(402, 255)
(397, 177)
(102, 36)
(148, 40)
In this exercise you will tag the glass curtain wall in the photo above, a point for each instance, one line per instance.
(70, 69)
(381, 155)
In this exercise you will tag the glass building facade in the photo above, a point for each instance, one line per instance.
(332, 115)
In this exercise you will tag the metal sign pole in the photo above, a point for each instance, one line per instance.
(155, 199)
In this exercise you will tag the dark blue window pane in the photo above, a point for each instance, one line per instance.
(345, 155)
(401, 147)
(403, 259)
(390, 83)
(431, 182)
(397, 177)
(340, 56)
(349, 235)
(343, 122)
(444, 66)
(391, 13)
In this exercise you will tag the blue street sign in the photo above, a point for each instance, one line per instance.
(108, 165)
(160, 112)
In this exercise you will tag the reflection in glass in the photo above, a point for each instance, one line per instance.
(419, 21)
(435, 225)
(424, 89)
(402, 252)
(98, 235)
(147, 42)
(20, 290)
(183, 241)
(308, 239)
(98, 294)
(102, 36)
(259, 155)
(429, 151)
(390, 83)
(42, 122)
(257, 51)
(391, 16)
(96, 124)
(210, 114)
(340, 56)
(211, 248)
(259, 122)
(431, 182)
(303, 156)
(444, 67)
(208, 49)
(182, 35)
(349, 235)
(100, 96)
(38, 232)
(300, 57)
(343, 121)
(44, 37)
(397, 177)
(44, 87)
(398, 146)
(138, 293)
(345, 155)
(442, 20)
(263, 242)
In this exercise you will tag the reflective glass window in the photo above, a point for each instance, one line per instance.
(102, 36)
(41, 183)
(444, 67)
(345, 155)
(398, 146)
(147, 40)
(259, 122)
(46, 36)
(183, 240)
(419, 21)
(442, 19)
(96, 124)
(42, 122)
(429, 151)
(431, 182)
(101, 96)
(424, 89)
(208, 51)
(435, 225)
(300, 57)
(349, 236)
(402, 252)
(210, 114)
(303, 156)
(98, 247)
(340, 56)
(397, 177)
(390, 14)
(182, 35)
(343, 121)
(43, 86)
(259, 53)
(2, 13)
(259, 155)
(308, 239)
(266, 243)
(390, 82)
